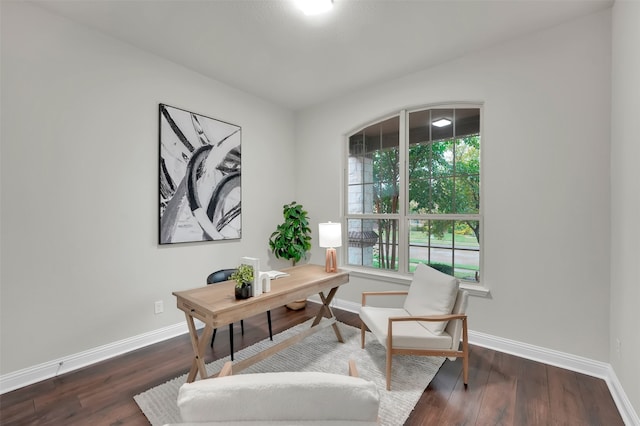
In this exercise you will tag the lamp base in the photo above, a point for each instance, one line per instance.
(330, 262)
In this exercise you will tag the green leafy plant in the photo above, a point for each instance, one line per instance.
(292, 239)
(243, 275)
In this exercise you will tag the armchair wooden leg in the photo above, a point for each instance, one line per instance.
(362, 333)
(388, 369)
(465, 366)
(465, 371)
(465, 351)
(389, 352)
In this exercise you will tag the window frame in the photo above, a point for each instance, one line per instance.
(403, 216)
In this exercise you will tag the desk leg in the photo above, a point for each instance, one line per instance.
(325, 310)
(199, 344)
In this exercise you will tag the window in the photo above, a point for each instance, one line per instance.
(413, 192)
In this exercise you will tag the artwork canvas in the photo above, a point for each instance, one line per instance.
(200, 171)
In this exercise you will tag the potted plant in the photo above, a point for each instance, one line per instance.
(243, 277)
(292, 239)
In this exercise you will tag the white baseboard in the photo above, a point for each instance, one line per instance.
(47, 370)
(629, 415)
(540, 354)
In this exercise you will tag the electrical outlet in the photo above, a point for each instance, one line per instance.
(159, 307)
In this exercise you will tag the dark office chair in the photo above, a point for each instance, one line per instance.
(225, 275)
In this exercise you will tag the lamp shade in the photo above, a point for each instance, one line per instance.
(330, 234)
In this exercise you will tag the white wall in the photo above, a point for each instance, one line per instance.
(545, 177)
(81, 265)
(625, 198)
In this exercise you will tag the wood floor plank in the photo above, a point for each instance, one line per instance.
(116, 414)
(597, 401)
(464, 403)
(436, 396)
(532, 396)
(499, 396)
(102, 394)
(17, 411)
(566, 406)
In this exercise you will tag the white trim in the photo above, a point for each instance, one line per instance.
(536, 353)
(476, 290)
(628, 414)
(47, 370)
(397, 278)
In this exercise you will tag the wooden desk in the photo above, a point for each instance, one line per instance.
(216, 306)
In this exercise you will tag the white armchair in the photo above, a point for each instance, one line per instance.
(279, 399)
(431, 321)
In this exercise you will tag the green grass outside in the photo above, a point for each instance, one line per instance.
(460, 240)
(414, 262)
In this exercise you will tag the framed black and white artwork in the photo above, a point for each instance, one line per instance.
(200, 171)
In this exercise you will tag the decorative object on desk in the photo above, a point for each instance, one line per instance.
(254, 262)
(265, 282)
(244, 281)
(274, 275)
(330, 237)
(199, 186)
(292, 239)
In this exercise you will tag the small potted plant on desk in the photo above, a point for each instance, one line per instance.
(243, 277)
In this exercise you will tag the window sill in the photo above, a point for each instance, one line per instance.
(396, 278)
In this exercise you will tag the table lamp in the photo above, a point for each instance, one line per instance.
(330, 236)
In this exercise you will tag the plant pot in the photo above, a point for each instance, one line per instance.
(297, 304)
(243, 292)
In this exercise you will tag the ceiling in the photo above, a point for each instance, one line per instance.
(271, 49)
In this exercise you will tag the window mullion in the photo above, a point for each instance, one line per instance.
(403, 207)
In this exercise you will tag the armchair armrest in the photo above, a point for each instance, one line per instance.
(382, 293)
(432, 318)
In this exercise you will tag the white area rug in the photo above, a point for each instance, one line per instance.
(318, 352)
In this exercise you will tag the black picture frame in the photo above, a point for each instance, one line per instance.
(200, 177)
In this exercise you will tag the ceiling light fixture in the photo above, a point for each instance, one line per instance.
(314, 7)
(441, 123)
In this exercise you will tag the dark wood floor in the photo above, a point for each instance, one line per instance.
(503, 389)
